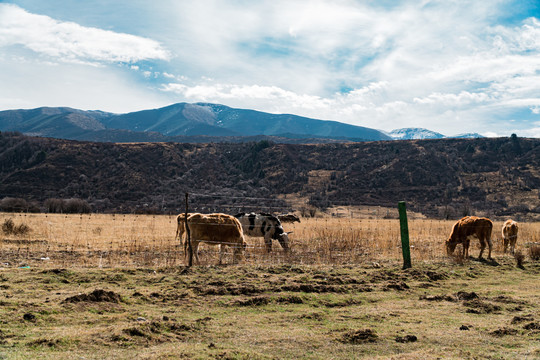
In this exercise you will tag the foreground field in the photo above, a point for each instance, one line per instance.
(488, 310)
(115, 287)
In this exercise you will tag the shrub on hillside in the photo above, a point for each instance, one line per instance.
(54, 205)
(9, 228)
(77, 206)
(9, 204)
(69, 206)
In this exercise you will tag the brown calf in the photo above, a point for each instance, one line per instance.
(509, 234)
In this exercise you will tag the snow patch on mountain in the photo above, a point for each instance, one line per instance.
(414, 133)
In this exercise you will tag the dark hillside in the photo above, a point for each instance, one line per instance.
(444, 177)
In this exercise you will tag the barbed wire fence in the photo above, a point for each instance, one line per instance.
(352, 234)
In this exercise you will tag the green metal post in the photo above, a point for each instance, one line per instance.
(404, 235)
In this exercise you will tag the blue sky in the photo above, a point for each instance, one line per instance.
(449, 66)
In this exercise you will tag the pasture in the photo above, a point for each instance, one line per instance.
(115, 287)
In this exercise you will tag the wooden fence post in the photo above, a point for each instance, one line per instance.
(190, 249)
(404, 235)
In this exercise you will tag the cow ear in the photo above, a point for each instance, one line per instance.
(288, 232)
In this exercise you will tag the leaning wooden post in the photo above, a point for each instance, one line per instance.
(190, 249)
(404, 235)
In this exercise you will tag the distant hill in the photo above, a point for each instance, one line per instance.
(181, 120)
(445, 178)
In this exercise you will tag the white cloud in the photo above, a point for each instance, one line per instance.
(73, 85)
(449, 66)
(71, 42)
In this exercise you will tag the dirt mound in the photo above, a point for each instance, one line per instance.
(289, 299)
(313, 316)
(406, 338)
(254, 301)
(359, 336)
(424, 275)
(29, 317)
(508, 300)
(520, 319)
(228, 290)
(438, 298)
(315, 288)
(56, 271)
(478, 306)
(98, 295)
(532, 326)
(463, 295)
(398, 285)
(503, 332)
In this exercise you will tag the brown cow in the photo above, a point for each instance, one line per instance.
(213, 229)
(467, 227)
(509, 234)
(180, 226)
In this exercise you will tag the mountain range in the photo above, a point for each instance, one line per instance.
(198, 122)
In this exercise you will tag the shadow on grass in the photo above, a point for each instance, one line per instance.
(491, 262)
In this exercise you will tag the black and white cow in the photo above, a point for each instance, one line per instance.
(265, 225)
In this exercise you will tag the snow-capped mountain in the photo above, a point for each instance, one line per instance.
(468, 136)
(414, 133)
(421, 133)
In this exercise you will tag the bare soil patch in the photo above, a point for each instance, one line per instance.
(98, 295)
(359, 336)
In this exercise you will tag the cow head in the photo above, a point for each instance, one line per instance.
(283, 239)
(450, 246)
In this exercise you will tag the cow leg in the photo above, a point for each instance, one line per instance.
(482, 247)
(237, 251)
(490, 246)
(465, 245)
(505, 245)
(512, 246)
(221, 252)
(195, 248)
(268, 243)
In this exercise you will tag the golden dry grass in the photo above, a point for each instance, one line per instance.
(99, 240)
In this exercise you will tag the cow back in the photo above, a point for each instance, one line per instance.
(216, 227)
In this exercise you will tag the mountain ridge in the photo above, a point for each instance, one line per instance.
(190, 122)
(180, 119)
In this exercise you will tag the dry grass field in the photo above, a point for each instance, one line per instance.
(148, 240)
(115, 287)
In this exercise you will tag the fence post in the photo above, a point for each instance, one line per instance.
(404, 235)
(190, 249)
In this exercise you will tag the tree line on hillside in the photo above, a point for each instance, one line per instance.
(442, 178)
(65, 206)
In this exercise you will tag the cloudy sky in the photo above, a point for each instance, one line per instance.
(451, 66)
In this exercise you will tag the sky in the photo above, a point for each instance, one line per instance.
(451, 66)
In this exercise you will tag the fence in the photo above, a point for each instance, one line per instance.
(97, 240)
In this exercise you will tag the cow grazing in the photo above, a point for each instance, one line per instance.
(288, 218)
(267, 226)
(509, 234)
(213, 229)
(467, 227)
